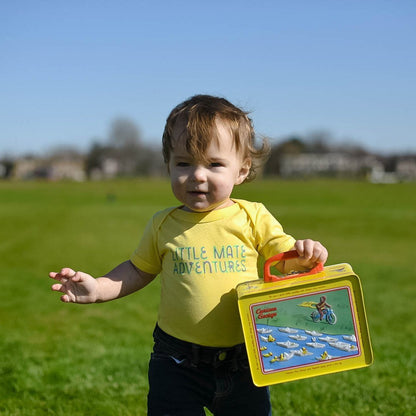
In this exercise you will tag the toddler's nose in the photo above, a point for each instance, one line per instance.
(199, 174)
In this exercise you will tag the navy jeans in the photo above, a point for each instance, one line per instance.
(184, 378)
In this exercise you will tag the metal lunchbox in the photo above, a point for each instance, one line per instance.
(305, 324)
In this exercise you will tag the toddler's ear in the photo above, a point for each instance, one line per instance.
(244, 171)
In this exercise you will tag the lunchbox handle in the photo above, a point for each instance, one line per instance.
(268, 277)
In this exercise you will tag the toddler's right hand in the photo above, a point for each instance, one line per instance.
(77, 287)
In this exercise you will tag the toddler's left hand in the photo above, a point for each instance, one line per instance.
(310, 253)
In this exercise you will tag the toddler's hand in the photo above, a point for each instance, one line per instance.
(310, 253)
(78, 287)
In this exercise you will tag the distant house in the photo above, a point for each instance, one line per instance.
(400, 169)
(406, 168)
(108, 169)
(28, 168)
(325, 164)
(71, 169)
(56, 168)
(378, 174)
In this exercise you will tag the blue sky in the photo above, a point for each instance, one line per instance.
(68, 68)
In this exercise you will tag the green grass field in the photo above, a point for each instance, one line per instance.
(60, 359)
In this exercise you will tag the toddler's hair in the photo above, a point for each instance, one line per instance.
(198, 115)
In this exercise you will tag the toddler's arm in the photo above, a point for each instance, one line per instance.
(310, 254)
(80, 287)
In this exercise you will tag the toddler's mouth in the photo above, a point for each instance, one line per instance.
(197, 192)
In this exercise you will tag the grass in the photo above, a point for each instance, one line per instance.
(59, 359)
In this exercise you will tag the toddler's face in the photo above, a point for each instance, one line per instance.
(205, 186)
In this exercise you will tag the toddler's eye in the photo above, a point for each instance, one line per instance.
(216, 164)
(182, 164)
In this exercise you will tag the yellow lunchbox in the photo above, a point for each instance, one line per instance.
(305, 324)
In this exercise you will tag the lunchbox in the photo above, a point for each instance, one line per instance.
(304, 324)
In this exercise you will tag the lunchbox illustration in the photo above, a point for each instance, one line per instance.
(304, 324)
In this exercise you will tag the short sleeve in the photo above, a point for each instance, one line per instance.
(146, 256)
(270, 236)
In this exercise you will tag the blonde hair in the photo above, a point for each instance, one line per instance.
(198, 115)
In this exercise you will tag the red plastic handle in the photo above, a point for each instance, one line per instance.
(268, 277)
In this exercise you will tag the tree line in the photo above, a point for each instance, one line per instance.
(133, 156)
(124, 153)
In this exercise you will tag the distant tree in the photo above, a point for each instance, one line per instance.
(352, 148)
(64, 152)
(6, 167)
(318, 141)
(96, 157)
(291, 145)
(390, 162)
(124, 138)
(124, 134)
(124, 153)
(152, 163)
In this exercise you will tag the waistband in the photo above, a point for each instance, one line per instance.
(197, 354)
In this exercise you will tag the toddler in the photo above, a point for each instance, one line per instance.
(201, 250)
